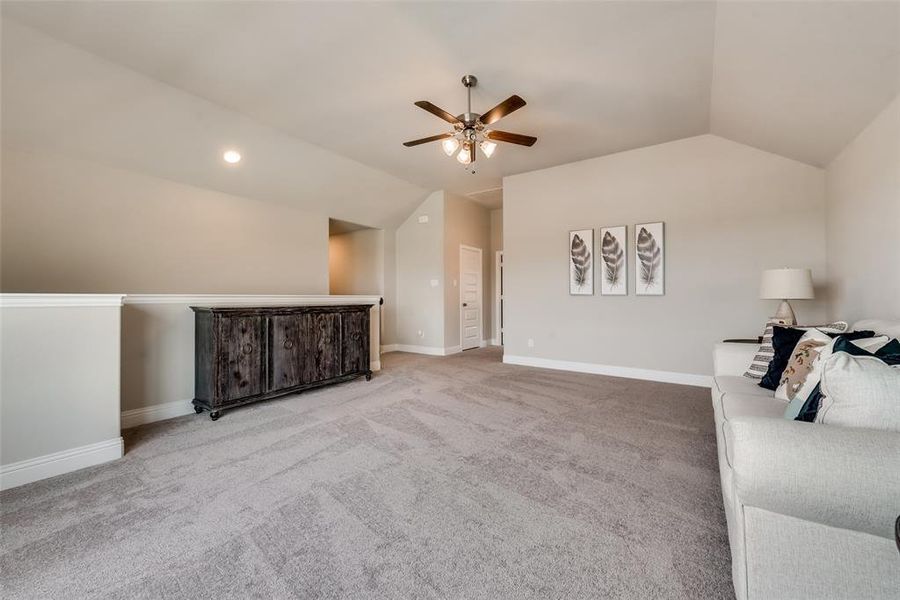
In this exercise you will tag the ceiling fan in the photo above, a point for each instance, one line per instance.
(471, 129)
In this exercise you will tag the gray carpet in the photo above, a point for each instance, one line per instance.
(456, 477)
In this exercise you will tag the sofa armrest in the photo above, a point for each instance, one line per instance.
(732, 359)
(838, 476)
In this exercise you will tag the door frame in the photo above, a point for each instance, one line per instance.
(497, 314)
(462, 336)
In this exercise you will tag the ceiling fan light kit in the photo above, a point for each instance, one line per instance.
(470, 129)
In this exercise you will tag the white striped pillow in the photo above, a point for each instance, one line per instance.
(765, 353)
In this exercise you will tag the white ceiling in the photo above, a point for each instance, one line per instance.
(802, 79)
(61, 100)
(799, 79)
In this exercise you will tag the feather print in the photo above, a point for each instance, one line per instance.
(581, 260)
(612, 255)
(649, 255)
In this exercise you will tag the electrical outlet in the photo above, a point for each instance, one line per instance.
(423, 218)
(530, 343)
(435, 283)
(421, 333)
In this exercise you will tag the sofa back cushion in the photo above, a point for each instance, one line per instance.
(880, 326)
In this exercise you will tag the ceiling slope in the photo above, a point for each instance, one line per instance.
(799, 79)
(802, 79)
(60, 99)
(599, 77)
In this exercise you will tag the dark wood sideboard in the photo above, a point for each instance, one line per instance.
(248, 354)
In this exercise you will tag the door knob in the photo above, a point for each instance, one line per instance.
(464, 304)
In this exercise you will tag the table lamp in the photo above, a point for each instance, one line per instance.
(784, 285)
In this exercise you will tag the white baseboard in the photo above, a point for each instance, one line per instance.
(50, 465)
(389, 348)
(614, 371)
(157, 412)
(494, 342)
(452, 350)
(375, 365)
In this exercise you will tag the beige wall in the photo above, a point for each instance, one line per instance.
(76, 226)
(496, 246)
(389, 308)
(356, 262)
(496, 230)
(465, 223)
(863, 221)
(420, 260)
(59, 380)
(730, 211)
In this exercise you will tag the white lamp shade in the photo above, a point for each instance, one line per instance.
(786, 284)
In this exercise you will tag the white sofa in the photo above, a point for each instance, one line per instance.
(810, 508)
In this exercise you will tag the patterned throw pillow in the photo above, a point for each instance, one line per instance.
(766, 352)
(808, 374)
(800, 366)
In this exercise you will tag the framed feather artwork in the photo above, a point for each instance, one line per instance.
(581, 262)
(649, 259)
(614, 261)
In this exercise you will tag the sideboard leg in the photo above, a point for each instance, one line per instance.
(214, 415)
(368, 375)
(198, 409)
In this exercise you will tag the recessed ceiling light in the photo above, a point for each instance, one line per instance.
(232, 156)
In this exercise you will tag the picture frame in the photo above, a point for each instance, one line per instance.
(581, 262)
(649, 259)
(614, 261)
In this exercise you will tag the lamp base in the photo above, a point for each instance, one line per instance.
(786, 312)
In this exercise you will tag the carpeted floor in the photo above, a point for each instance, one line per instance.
(456, 477)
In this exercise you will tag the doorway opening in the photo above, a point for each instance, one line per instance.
(355, 259)
(471, 318)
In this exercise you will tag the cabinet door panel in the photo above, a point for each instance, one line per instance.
(323, 349)
(287, 334)
(241, 369)
(354, 342)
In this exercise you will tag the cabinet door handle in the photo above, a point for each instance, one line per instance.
(248, 348)
(288, 344)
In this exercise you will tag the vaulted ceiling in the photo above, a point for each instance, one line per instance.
(800, 79)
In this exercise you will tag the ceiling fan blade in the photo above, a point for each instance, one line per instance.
(434, 138)
(501, 110)
(512, 138)
(437, 111)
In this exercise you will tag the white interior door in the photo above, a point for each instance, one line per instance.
(470, 278)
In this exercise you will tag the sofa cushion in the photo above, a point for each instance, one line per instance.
(727, 384)
(751, 405)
